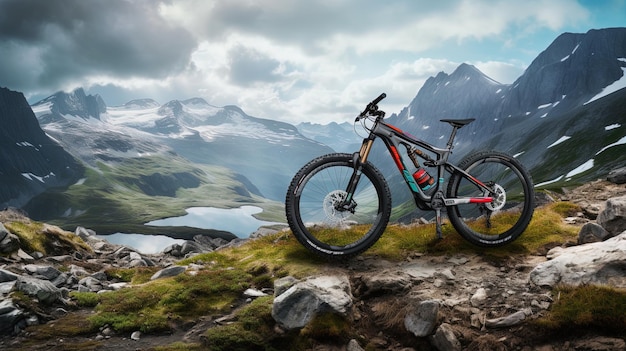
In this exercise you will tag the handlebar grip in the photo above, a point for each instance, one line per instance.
(372, 105)
(378, 99)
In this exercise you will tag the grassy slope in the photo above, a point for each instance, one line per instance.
(159, 306)
(113, 198)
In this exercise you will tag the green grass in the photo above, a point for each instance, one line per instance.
(587, 307)
(114, 199)
(164, 304)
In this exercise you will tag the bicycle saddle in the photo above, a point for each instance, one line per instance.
(458, 122)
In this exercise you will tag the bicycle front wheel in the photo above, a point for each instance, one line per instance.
(508, 215)
(317, 220)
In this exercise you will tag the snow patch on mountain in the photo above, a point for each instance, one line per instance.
(42, 179)
(561, 139)
(617, 85)
(612, 126)
(619, 142)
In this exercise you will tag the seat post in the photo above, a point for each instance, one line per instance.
(452, 136)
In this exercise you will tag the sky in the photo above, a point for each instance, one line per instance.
(293, 61)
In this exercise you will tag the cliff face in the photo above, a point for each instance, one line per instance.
(571, 71)
(30, 162)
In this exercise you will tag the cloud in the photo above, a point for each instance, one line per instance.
(65, 42)
(281, 59)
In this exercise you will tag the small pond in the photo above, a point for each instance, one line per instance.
(239, 221)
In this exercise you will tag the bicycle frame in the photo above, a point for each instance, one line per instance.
(393, 138)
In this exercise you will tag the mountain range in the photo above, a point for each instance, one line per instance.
(72, 159)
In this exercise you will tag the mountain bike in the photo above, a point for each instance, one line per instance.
(338, 205)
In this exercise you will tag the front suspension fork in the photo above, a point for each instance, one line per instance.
(358, 159)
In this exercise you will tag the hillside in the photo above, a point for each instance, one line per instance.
(218, 304)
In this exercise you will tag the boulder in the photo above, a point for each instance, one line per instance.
(43, 272)
(422, 319)
(298, 305)
(11, 318)
(9, 242)
(445, 339)
(592, 233)
(43, 290)
(168, 272)
(613, 218)
(617, 176)
(595, 263)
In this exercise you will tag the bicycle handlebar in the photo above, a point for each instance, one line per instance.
(372, 108)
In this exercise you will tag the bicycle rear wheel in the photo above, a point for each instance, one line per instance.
(508, 215)
(318, 223)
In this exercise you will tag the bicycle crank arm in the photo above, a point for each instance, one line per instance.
(468, 200)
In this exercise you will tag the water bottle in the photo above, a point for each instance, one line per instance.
(423, 179)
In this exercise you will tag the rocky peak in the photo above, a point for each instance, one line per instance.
(141, 104)
(173, 108)
(573, 69)
(31, 161)
(77, 103)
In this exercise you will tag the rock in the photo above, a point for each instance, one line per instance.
(91, 284)
(613, 218)
(43, 290)
(479, 297)
(11, 317)
(591, 233)
(191, 247)
(84, 233)
(282, 284)
(353, 345)
(595, 263)
(506, 321)
(7, 276)
(135, 335)
(9, 242)
(253, 293)
(383, 282)
(422, 319)
(297, 306)
(444, 339)
(22, 256)
(617, 176)
(45, 272)
(168, 272)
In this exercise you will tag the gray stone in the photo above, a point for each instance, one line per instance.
(297, 306)
(7, 287)
(168, 272)
(7, 276)
(595, 263)
(9, 242)
(384, 282)
(10, 317)
(84, 233)
(135, 335)
(3, 232)
(613, 218)
(22, 256)
(445, 339)
(353, 345)
(47, 272)
(479, 297)
(43, 290)
(282, 284)
(190, 247)
(506, 321)
(617, 176)
(422, 319)
(591, 233)
(92, 284)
